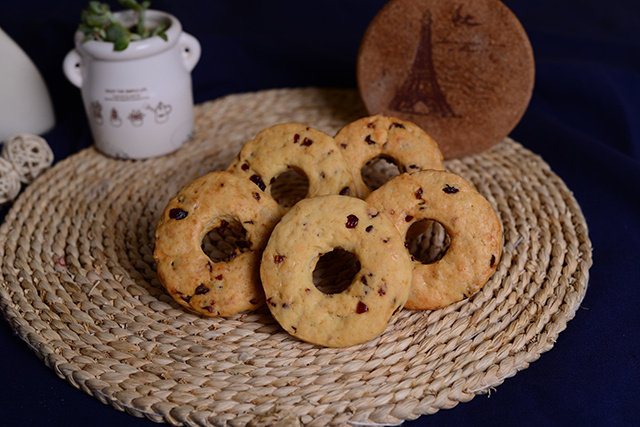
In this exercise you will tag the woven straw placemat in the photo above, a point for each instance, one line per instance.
(78, 284)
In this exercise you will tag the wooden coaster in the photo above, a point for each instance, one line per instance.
(462, 70)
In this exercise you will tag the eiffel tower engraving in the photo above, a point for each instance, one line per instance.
(420, 93)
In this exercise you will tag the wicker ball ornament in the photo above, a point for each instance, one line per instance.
(9, 182)
(30, 155)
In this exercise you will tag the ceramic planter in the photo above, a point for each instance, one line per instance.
(138, 101)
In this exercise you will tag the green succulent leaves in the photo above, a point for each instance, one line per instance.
(97, 22)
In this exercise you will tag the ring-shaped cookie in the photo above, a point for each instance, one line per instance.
(218, 199)
(403, 142)
(318, 226)
(468, 218)
(293, 146)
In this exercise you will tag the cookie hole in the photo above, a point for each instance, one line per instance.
(290, 187)
(335, 271)
(379, 170)
(225, 242)
(427, 241)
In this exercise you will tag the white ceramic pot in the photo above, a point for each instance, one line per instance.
(138, 101)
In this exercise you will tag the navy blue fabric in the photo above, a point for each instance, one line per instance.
(583, 120)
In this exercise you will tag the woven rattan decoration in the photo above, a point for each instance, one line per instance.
(78, 285)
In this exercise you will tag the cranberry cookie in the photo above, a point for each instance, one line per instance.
(468, 218)
(400, 142)
(294, 148)
(217, 200)
(335, 318)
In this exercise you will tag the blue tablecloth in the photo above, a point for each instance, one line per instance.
(584, 120)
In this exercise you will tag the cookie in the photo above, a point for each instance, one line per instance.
(397, 141)
(318, 227)
(217, 201)
(294, 149)
(463, 70)
(470, 221)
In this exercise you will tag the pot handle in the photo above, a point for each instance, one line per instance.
(190, 49)
(72, 67)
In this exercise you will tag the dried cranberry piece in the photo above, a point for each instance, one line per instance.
(306, 142)
(352, 221)
(449, 189)
(257, 180)
(177, 213)
(369, 228)
(361, 308)
(493, 261)
(244, 167)
(201, 290)
(408, 218)
(382, 290)
(397, 125)
(219, 277)
(296, 138)
(369, 140)
(277, 259)
(346, 191)
(256, 196)
(418, 193)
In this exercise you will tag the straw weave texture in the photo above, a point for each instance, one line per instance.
(78, 284)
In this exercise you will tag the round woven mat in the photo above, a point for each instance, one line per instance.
(78, 285)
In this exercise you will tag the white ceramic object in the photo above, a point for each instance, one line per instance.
(138, 101)
(25, 105)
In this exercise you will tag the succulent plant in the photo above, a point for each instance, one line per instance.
(99, 23)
